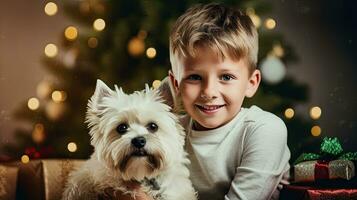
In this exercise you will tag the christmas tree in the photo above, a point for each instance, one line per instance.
(125, 42)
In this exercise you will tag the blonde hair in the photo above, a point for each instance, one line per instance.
(226, 31)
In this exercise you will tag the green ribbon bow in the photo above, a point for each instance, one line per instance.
(330, 149)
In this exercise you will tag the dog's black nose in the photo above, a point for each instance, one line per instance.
(138, 142)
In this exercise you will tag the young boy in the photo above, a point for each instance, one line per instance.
(235, 152)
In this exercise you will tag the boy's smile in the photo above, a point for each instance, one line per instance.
(213, 89)
(209, 109)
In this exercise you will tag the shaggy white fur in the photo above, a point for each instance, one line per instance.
(136, 138)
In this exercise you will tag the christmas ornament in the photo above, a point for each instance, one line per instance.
(273, 70)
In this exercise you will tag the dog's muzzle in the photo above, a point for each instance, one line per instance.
(138, 142)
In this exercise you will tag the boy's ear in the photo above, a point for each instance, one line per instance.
(253, 83)
(174, 82)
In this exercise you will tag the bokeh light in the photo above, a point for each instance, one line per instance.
(136, 46)
(156, 84)
(38, 134)
(43, 89)
(72, 147)
(59, 96)
(278, 50)
(71, 33)
(270, 23)
(55, 110)
(315, 112)
(99, 24)
(33, 103)
(289, 113)
(51, 8)
(25, 159)
(51, 50)
(316, 131)
(256, 20)
(151, 52)
(92, 42)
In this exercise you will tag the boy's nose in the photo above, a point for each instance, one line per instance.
(209, 90)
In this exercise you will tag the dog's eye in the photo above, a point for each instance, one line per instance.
(152, 127)
(122, 128)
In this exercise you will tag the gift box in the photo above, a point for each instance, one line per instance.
(30, 181)
(55, 175)
(37, 179)
(8, 181)
(330, 163)
(296, 192)
(316, 170)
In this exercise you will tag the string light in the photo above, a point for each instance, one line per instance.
(92, 42)
(25, 159)
(289, 113)
(270, 23)
(151, 52)
(59, 96)
(156, 84)
(72, 147)
(51, 50)
(71, 33)
(99, 24)
(51, 8)
(315, 112)
(33, 103)
(315, 131)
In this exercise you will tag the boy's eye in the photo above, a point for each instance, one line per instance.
(194, 77)
(227, 77)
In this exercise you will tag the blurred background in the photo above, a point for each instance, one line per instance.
(52, 52)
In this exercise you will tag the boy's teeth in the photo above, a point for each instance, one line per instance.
(210, 107)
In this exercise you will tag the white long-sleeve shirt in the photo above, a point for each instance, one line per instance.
(245, 159)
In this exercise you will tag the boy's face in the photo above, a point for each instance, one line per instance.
(213, 90)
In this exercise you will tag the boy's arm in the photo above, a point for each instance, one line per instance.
(264, 162)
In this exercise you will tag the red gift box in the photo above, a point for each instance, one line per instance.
(294, 192)
(315, 170)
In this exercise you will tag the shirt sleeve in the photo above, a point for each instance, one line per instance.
(264, 160)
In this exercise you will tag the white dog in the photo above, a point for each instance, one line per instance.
(136, 139)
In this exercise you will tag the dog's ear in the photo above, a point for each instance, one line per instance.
(94, 108)
(101, 91)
